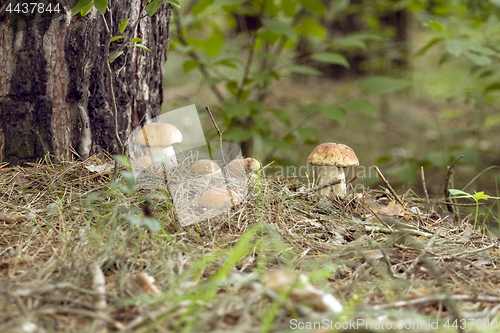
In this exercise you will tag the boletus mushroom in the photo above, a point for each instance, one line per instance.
(218, 198)
(332, 159)
(160, 137)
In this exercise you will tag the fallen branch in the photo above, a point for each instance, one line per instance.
(388, 186)
(223, 167)
(437, 298)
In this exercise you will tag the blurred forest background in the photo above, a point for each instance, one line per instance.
(406, 83)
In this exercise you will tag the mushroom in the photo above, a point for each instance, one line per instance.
(205, 167)
(160, 137)
(217, 198)
(332, 159)
(241, 167)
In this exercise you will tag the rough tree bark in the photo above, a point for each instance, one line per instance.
(53, 82)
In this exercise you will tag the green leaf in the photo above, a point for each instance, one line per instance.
(232, 86)
(117, 38)
(115, 55)
(479, 60)
(313, 6)
(257, 106)
(79, 6)
(236, 110)
(437, 158)
(87, 9)
(213, 44)
(453, 47)
(308, 133)
(268, 36)
(200, 6)
(289, 7)
(228, 62)
(360, 105)
(331, 58)
(436, 26)
(221, 3)
(427, 46)
(334, 112)
(189, 65)
(137, 40)
(149, 223)
(282, 116)
(306, 70)
(101, 6)
(492, 87)
(476, 48)
(311, 28)
(262, 124)
(458, 194)
(269, 143)
(210, 81)
(142, 47)
(382, 85)
(123, 25)
(153, 7)
(279, 28)
(175, 3)
(480, 196)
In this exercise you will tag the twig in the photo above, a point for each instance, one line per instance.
(379, 219)
(447, 177)
(420, 256)
(247, 68)
(49, 287)
(437, 298)
(223, 167)
(316, 188)
(462, 204)
(424, 186)
(98, 284)
(388, 186)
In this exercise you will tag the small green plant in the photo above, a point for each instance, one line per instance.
(459, 194)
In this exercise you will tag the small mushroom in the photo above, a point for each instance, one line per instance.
(160, 137)
(332, 158)
(240, 168)
(217, 198)
(205, 167)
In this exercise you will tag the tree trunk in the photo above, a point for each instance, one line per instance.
(53, 82)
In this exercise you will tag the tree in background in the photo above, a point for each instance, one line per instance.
(54, 93)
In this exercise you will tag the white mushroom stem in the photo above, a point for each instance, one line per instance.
(328, 174)
(163, 155)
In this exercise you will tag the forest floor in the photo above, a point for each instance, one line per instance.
(77, 254)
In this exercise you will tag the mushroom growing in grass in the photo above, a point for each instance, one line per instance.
(332, 159)
(218, 198)
(240, 168)
(159, 138)
(205, 167)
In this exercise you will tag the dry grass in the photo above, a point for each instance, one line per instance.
(59, 220)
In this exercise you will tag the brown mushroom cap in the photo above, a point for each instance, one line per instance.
(333, 154)
(158, 135)
(217, 198)
(239, 167)
(204, 167)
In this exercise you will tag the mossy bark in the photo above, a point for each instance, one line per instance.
(53, 82)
